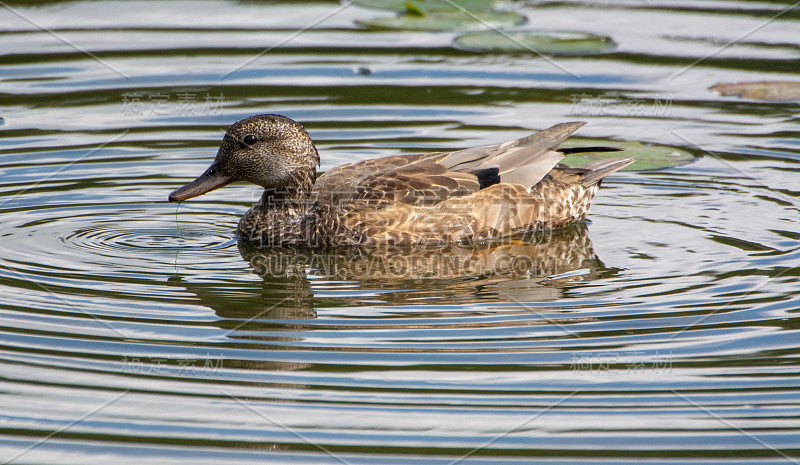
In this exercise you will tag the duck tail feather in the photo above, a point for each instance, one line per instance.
(598, 170)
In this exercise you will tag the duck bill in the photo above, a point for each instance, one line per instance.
(212, 179)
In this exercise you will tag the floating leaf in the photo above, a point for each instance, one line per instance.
(447, 21)
(648, 157)
(761, 90)
(426, 6)
(413, 10)
(549, 42)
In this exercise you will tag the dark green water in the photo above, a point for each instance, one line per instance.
(664, 330)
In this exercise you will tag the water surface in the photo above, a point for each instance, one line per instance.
(665, 329)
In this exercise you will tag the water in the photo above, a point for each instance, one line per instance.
(137, 332)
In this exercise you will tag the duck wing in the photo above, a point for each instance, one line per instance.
(523, 161)
(428, 179)
(345, 177)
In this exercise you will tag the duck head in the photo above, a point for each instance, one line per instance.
(271, 151)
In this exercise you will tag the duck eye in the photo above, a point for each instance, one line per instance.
(212, 172)
(249, 139)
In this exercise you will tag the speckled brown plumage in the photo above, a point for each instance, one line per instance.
(476, 194)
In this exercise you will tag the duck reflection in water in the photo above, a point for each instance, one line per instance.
(533, 267)
(536, 267)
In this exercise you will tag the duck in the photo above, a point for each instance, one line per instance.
(472, 195)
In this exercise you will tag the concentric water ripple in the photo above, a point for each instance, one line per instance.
(98, 239)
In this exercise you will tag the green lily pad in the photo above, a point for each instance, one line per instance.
(648, 157)
(427, 6)
(549, 42)
(446, 21)
(761, 90)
